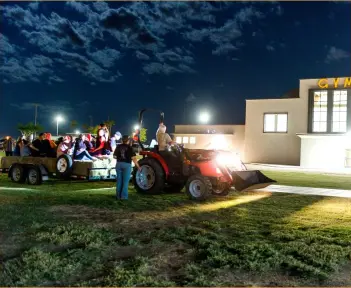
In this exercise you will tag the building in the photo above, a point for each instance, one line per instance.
(222, 137)
(308, 127)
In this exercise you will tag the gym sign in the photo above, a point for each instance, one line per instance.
(324, 83)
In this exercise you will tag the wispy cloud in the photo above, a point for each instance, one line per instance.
(336, 54)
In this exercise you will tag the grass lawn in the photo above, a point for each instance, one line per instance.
(75, 233)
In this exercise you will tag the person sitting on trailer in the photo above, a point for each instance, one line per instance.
(65, 147)
(99, 145)
(80, 150)
(49, 146)
(115, 139)
(36, 146)
(17, 152)
(87, 142)
(24, 148)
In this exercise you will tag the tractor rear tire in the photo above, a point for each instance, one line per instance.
(151, 179)
(198, 188)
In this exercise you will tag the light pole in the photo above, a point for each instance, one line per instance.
(204, 117)
(58, 120)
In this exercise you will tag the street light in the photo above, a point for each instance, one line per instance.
(77, 132)
(59, 119)
(136, 127)
(204, 117)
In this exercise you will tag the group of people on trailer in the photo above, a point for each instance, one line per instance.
(87, 147)
(84, 147)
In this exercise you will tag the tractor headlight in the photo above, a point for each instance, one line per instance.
(221, 160)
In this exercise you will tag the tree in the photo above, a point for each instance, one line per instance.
(143, 135)
(91, 129)
(29, 129)
(74, 124)
(109, 124)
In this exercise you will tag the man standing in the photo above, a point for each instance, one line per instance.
(8, 146)
(125, 155)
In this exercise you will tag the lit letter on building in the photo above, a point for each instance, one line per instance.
(336, 82)
(347, 82)
(323, 83)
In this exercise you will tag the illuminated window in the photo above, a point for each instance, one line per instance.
(275, 123)
(185, 140)
(320, 107)
(339, 120)
(179, 140)
(192, 140)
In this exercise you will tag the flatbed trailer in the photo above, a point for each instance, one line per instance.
(35, 170)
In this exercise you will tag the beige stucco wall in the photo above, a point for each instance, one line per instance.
(232, 136)
(326, 152)
(274, 148)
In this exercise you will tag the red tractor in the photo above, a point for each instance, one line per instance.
(202, 172)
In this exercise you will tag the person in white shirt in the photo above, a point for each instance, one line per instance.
(65, 147)
(163, 138)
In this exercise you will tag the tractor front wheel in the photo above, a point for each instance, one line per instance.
(198, 187)
(150, 179)
(221, 189)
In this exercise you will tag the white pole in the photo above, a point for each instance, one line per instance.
(57, 121)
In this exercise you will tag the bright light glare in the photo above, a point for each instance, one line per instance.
(136, 127)
(77, 132)
(59, 118)
(204, 117)
(222, 160)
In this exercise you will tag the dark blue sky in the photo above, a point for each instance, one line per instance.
(111, 59)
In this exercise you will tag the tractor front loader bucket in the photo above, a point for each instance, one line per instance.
(250, 180)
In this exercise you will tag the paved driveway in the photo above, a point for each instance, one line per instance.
(307, 191)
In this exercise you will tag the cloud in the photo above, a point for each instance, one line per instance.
(100, 6)
(191, 98)
(106, 57)
(83, 104)
(47, 110)
(159, 68)
(224, 49)
(142, 29)
(141, 55)
(270, 48)
(33, 5)
(169, 88)
(336, 54)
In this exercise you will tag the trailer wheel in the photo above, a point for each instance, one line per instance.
(64, 166)
(17, 173)
(151, 177)
(198, 187)
(34, 176)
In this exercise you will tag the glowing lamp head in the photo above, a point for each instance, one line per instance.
(136, 127)
(204, 117)
(77, 132)
(59, 118)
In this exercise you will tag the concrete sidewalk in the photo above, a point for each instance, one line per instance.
(288, 168)
(306, 191)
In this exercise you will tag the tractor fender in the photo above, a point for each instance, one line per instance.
(158, 158)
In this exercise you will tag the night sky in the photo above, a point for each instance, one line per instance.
(94, 60)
